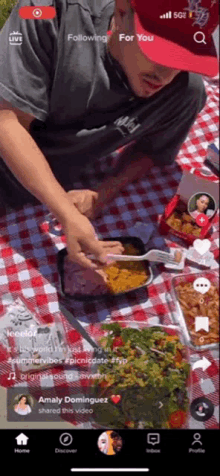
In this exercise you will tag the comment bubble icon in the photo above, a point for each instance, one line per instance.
(201, 285)
(201, 323)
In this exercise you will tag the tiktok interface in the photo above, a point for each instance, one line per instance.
(109, 273)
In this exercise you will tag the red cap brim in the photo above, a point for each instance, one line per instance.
(172, 55)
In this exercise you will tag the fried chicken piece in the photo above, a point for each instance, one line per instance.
(187, 228)
(187, 218)
(196, 231)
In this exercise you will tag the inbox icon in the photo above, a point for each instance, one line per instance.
(153, 438)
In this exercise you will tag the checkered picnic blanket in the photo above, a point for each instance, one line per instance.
(28, 264)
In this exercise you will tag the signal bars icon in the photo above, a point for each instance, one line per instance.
(166, 15)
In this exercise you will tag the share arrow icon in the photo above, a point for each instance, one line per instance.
(203, 363)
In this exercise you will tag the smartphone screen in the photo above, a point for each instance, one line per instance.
(109, 235)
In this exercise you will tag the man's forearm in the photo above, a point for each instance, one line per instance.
(22, 155)
(133, 165)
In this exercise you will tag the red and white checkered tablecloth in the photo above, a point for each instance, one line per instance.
(28, 265)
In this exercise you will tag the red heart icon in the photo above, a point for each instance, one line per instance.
(116, 398)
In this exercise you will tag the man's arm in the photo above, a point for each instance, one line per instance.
(133, 165)
(23, 157)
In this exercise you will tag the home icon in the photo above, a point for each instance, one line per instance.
(22, 439)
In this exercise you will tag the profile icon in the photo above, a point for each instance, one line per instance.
(22, 405)
(110, 443)
(201, 203)
(196, 439)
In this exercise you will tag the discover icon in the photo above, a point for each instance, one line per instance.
(66, 439)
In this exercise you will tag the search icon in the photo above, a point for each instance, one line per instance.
(202, 40)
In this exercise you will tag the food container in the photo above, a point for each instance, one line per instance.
(190, 185)
(18, 314)
(38, 348)
(165, 228)
(32, 346)
(186, 317)
(136, 242)
(149, 370)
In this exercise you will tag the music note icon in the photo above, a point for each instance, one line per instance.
(11, 376)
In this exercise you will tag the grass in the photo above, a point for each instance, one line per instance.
(5, 10)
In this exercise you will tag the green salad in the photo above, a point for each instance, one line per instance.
(144, 379)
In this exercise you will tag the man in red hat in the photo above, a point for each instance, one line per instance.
(97, 76)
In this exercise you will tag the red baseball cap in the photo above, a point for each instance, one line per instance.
(178, 33)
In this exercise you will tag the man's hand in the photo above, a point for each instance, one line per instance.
(84, 201)
(112, 247)
(82, 241)
(105, 194)
(88, 202)
(132, 165)
(86, 280)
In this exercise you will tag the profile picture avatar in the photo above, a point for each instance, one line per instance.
(201, 203)
(110, 442)
(23, 404)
